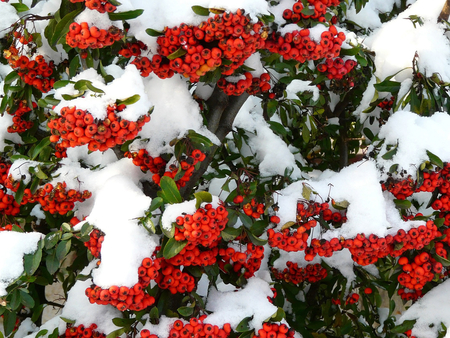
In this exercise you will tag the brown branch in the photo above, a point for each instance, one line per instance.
(445, 13)
(223, 111)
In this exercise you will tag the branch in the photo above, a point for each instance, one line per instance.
(443, 16)
(223, 111)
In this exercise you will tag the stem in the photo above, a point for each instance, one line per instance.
(443, 16)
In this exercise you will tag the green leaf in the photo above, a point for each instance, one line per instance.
(277, 128)
(255, 240)
(156, 203)
(368, 134)
(61, 83)
(86, 229)
(153, 32)
(228, 234)
(125, 15)
(173, 248)
(116, 333)
(388, 86)
(129, 100)
(31, 262)
(74, 66)
(435, 159)
(15, 300)
(243, 325)
(11, 77)
(402, 204)
(62, 27)
(341, 205)
(41, 333)
(9, 322)
(27, 300)
(19, 193)
(246, 220)
(202, 196)
(67, 320)
(52, 263)
(40, 146)
(63, 249)
(169, 191)
(186, 311)
(199, 10)
(277, 316)
(167, 233)
(442, 260)
(51, 239)
(94, 89)
(390, 154)
(196, 138)
(403, 327)
(307, 11)
(20, 7)
(178, 53)
(305, 133)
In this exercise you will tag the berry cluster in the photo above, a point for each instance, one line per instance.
(82, 331)
(195, 50)
(352, 299)
(203, 227)
(94, 245)
(404, 188)
(132, 49)
(246, 83)
(123, 297)
(274, 330)
(386, 104)
(35, 72)
(77, 127)
(143, 160)
(417, 273)
(249, 260)
(173, 279)
(196, 328)
(191, 254)
(294, 274)
(82, 36)
(297, 241)
(101, 6)
(336, 68)
(320, 7)
(298, 46)
(56, 200)
(8, 205)
(401, 189)
(19, 124)
(187, 166)
(7, 227)
(252, 208)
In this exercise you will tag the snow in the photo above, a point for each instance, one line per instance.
(270, 150)
(404, 127)
(118, 202)
(126, 85)
(116, 210)
(433, 308)
(9, 16)
(397, 41)
(249, 301)
(78, 307)
(14, 245)
(175, 113)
